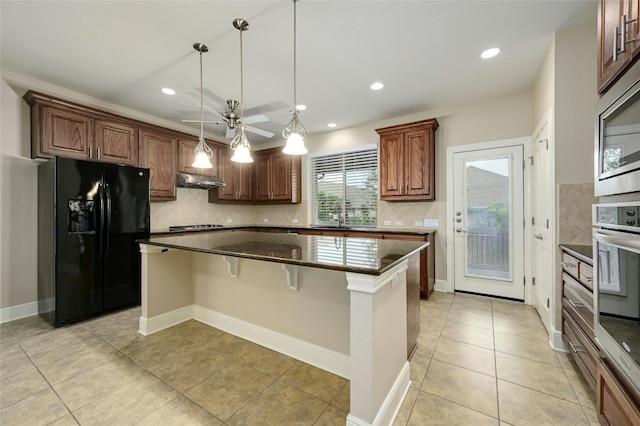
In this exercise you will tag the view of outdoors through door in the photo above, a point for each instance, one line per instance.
(488, 222)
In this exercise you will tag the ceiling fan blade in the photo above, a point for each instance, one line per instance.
(231, 133)
(260, 132)
(205, 121)
(255, 119)
(212, 111)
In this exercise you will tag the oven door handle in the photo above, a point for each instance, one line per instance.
(618, 239)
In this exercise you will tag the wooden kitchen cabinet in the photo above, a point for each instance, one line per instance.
(158, 152)
(237, 176)
(116, 143)
(407, 161)
(616, 406)
(277, 176)
(615, 25)
(186, 156)
(72, 131)
(578, 318)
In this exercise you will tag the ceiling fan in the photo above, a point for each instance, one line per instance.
(231, 118)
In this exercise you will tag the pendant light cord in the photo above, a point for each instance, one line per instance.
(201, 101)
(241, 80)
(294, 55)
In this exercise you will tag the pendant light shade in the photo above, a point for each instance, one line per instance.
(240, 143)
(241, 147)
(202, 150)
(295, 132)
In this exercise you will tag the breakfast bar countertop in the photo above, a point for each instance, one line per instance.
(359, 255)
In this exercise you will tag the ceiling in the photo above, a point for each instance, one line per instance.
(427, 53)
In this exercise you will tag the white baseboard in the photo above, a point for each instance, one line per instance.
(13, 313)
(160, 322)
(556, 340)
(392, 403)
(441, 285)
(320, 357)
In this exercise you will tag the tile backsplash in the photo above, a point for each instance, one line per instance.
(193, 207)
(574, 212)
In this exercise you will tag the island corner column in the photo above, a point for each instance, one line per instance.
(379, 372)
(168, 274)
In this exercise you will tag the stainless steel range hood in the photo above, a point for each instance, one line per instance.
(185, 180)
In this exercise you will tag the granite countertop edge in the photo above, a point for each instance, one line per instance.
(425, 231)
(367, 271)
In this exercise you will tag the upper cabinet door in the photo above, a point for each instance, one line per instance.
(159, 153)
(283, 180)
(407, 161)
(263, 177)
(618, 35)
(186, 156)
(116, 143)
(391, 165)
(419, 169)
(63, 132)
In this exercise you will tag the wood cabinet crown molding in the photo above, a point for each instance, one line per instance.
(407, 161)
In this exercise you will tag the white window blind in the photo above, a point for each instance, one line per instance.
(345, 188)
(355, 252)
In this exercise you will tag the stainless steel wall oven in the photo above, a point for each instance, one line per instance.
(616, 256)
(617, 137)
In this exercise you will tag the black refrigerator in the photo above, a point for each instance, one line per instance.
(90, 215)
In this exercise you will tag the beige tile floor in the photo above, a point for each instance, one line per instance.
(480, 361)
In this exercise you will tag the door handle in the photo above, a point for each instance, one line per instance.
(460, 230)
(538, 236)
(108, 224)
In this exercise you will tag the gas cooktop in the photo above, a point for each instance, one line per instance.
(194, 227)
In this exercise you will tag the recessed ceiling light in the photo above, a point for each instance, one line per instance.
(490, 53)
(301, 107)
(332, 124)
(168, 91)
(377, 86)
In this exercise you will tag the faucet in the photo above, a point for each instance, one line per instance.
(340, 219)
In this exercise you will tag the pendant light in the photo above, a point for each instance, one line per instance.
(202, 150)
(295, 132)
(240, 143)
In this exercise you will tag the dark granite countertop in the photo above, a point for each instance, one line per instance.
(293, 229)
(582, 252)
(361, 255)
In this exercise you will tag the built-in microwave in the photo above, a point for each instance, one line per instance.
(616, 261)
(617, 137)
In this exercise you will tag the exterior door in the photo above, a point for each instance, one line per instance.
(489, 222)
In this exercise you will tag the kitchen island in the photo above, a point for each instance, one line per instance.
(338, 303)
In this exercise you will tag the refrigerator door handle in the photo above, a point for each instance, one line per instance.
(100, 232)
(107, 229)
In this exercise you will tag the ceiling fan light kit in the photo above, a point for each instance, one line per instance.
(295, 132)
(202, 150)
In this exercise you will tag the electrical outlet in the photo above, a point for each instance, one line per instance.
(417, 223)
(265, 220)
(387, 223)
(229, 220)
(399, 223)
(431, 223)
(294, 221)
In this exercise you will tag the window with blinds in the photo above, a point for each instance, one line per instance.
(345, 188)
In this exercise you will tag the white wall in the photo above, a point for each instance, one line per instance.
(18, 204)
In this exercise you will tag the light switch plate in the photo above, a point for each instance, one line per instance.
(417, 223)
(399, 223)
(387, 223)
(431, 223)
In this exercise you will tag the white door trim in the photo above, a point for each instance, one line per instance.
(521, 141)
